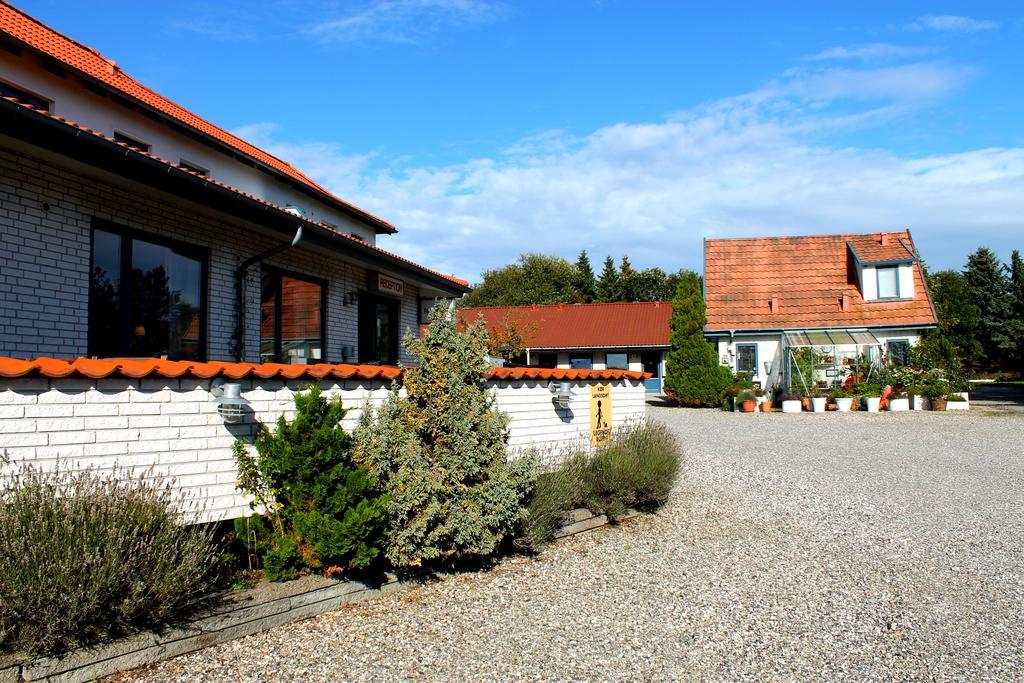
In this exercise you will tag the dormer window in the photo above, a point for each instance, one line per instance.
(9, 91)
(888, 282)
(134, 143)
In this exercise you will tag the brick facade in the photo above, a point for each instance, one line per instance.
(46, 214)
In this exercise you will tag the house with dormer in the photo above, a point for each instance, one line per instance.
(803, 312)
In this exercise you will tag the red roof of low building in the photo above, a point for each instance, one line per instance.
(94, 67)
(808, 278)
(581, 326)
(156, 368)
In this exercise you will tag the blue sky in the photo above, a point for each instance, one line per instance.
(484, 129)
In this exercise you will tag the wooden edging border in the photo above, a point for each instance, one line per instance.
(243, 613)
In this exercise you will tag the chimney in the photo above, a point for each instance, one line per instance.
(883, 239)
(774, 303)
(844, 303)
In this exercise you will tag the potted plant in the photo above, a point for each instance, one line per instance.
(916, 393)
(898, 402)
(842, 398)
(818, 403)
(764, 401)
(872, 394)
(747, 401)
(789, 403)
(936, 391)
(957, 400)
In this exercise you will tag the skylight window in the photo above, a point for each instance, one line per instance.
(134, 143)
(9, 91)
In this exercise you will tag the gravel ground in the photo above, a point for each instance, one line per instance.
(840, 547)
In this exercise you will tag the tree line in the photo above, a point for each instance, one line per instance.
(981, 314)
(542, 279)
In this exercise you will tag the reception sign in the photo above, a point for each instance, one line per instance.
(600, 414)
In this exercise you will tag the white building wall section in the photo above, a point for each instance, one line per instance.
(172, 425)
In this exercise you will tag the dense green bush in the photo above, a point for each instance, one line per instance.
(637, 470)
(324, 512)
(693, 375)
(85, 557)
(438, 451)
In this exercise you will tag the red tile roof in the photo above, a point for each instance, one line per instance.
(91, 65)
(337, 233)
(809, 276)
(137, 368)
(581, 326)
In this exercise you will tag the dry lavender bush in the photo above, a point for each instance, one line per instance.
(85, 557)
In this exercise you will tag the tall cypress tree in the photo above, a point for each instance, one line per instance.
(693, 375)
(608, 285)
(586, 283)
(990, 291)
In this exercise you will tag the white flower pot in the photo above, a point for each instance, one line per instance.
(873, 402)
(843, 405)
(899, 405)
(920, 403)
(818, 405)
(960, 405)
(791, 406)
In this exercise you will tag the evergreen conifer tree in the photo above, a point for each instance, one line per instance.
(438, 451)
(990, 292)
(1017, 309)
(608, 284)
(586, 283)
(693, 375)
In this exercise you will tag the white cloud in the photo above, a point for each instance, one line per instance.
(951, 23)
(405, 21)
(871, 52)
(754, 164)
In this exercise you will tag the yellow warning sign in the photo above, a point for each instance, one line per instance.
(600, 414)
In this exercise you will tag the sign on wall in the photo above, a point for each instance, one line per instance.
(389, 285)
(600, 414)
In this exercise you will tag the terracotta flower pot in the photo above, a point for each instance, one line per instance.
(748, 406)
(766, 406)
(806, 403)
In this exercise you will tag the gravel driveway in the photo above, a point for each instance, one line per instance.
(831, 546)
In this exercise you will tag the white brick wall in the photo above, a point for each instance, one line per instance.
(46, 217)
(173, 426)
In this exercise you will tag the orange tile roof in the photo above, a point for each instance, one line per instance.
(581, 326)
(337, 233)
(138, 368)
(809, 276)
(93, 66)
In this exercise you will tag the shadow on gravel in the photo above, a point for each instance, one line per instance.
(1000, 398)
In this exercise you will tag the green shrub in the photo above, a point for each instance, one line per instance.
(438, 451)
(637, 471)
(324, 512)
(85, 557)
(693, 375)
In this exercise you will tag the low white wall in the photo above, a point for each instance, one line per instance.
(173, 427)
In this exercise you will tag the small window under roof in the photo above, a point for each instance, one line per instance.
(194, 168)
(131, 142)
(9, 91)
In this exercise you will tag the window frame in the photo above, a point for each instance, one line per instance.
(364, 351)
(278, 274)
(878, 283)
(580, 354)
(132, 141)
(125, 293)
(624, 354)
(30, 93)
(754, 372)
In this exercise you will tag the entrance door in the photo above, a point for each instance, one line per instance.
(652, 363)
(378, 330)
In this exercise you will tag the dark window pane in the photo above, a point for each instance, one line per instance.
(746, 359)
(652, 362)
(383, 332)
(131, 142)
(104, 294)
(899, 352)
(300, 321)
(9, 91)
(616, 361)
(546, 360)
(268, 317)
(165, 306)
(581, 361)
